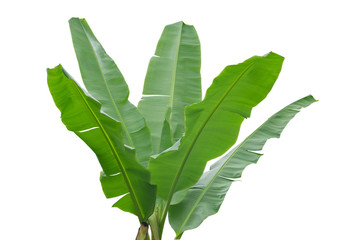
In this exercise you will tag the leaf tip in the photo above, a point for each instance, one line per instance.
(275, 55)
(73, 19)
(311, 98)
(77, 20)
(55, 69)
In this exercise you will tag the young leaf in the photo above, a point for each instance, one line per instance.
(172, 82)
(212, 125)
(206, 196)
(82, 115)
(105, 82)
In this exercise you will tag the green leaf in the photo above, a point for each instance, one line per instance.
(105, 82)
(212, 126)
(206, 196)
(172, 82)
(82, 115)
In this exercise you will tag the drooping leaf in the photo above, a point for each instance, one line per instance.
(212, 125)
(82, 115)
(105, 82)
(206, 196)
(172, 82)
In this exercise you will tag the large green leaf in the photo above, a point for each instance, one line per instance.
(212, 126)
(82, 115)
(105, 82)
(206, 196)
(172, 82)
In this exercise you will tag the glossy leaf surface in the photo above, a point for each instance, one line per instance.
(105, 82)
(212, 126)
(122, 172)
(172, 82)
(206, 196)
(185, 132)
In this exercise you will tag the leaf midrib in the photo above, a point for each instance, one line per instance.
(230, 158)
(199, 133)
(107, 88)
(215, 175)
(173, 79)
(114, 152)
(171, 99)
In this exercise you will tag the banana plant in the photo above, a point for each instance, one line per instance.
(153, 155)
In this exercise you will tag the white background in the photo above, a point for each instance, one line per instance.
(49, 187)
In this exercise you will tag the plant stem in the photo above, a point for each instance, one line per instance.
(178, 236)
(155, 220)
(164, 215)
(154, 225)
(143, 232)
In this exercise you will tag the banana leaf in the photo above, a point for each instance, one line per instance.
(172, 82)
(212, 126)
(82, 114)
(105, 83)
(206, 196)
